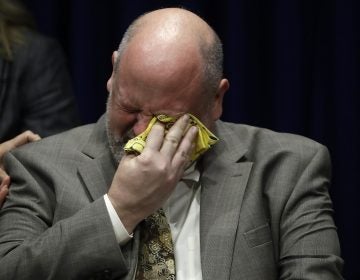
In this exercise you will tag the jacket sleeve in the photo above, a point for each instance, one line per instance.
(32, 246)
(309, 245)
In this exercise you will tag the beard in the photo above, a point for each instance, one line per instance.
(116, 143)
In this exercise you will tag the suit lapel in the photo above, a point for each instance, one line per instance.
(96, 177)
(223, 182)
(98, 170)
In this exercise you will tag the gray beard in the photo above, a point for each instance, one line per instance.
(116, 144)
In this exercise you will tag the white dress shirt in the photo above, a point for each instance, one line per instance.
(182, 210)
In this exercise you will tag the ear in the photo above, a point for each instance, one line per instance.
(113, 58)
(110, 80)
(218, 99)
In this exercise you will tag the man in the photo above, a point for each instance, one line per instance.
(261, 209)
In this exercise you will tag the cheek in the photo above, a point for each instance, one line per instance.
(203, 113)
(205, 116)
(121, 123)
(141, 124)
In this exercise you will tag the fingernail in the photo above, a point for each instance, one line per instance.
(186, 117)
(194, 129)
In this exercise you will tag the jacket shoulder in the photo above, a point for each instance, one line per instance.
(260, 142)
(70, 141)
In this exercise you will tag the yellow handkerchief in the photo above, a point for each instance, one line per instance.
(204, 140)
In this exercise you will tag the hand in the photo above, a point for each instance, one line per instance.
(19, 140)
(143, 183)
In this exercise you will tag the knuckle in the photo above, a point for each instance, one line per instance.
(154, 161)
(185, 155)
(146, 158)
(27, 134)
(172, 139)
(163, 167)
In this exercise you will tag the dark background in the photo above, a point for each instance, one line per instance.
(293, 66)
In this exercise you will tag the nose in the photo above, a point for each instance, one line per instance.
(141, 123)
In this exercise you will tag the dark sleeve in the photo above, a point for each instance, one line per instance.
(48, 104)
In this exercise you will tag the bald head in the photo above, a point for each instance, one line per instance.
(173, 24)
(174, 40)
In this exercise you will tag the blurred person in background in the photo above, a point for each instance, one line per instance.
(35, 87)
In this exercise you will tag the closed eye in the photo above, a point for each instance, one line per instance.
(129, 110)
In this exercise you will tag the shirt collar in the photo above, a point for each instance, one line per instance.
(191, 173)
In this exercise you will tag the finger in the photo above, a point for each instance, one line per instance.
(21, 139)
(187, 145)
(173, 137)
(155, 137)
(3, 174)
(3, 193)
(32, 137)
(4, 179)
(4, 182)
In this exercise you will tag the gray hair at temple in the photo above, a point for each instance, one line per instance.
(210, 49)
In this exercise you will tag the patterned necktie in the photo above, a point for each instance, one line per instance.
(156, 252)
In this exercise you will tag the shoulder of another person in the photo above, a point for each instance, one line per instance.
(36, 47)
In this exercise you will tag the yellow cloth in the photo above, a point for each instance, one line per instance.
(204, 141)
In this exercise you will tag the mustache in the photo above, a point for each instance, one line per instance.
(122, 140)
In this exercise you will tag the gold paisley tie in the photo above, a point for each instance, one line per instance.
(156, 252)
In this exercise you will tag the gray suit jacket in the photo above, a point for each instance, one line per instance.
(265, 209)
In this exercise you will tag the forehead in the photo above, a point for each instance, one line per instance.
(167, 82)
(152, 101)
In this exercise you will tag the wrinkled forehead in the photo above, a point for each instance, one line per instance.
(171, 55)
(158, 68)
